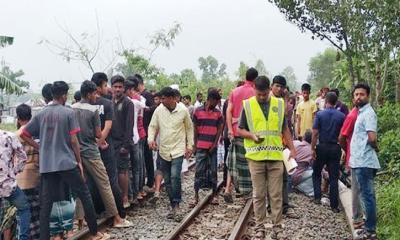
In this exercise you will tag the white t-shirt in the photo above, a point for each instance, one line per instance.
(139, 107)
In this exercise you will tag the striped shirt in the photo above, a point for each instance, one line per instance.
(206, 124)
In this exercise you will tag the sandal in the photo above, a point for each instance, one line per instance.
(101, 236)
(214, 201)
(358, 225)
(125, 224)
(260, 235)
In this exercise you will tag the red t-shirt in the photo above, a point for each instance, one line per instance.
(207, 123)
(347, 130)
(236, 99)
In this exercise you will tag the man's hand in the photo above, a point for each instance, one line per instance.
(81, 171)
(314, 154)
(123, 151)
(231, 136)
(212, 149)
(103, 145)
(188, 153)
(153, 145)
(293, 154)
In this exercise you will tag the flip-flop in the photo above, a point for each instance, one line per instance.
(124, 224)
(193, 204)
(228, 198)
(104, 236)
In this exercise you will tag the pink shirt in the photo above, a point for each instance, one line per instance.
(236, 99)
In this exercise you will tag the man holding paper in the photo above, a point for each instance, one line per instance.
(262, 125)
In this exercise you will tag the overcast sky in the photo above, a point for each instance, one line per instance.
(230, 30)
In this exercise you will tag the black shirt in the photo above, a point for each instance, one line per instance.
(105, 108)
(122, 125)
(148, 113)
(265, 108)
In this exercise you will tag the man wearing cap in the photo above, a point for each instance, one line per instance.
(278, 90)
(262, 125)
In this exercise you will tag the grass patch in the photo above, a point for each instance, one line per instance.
(11, 127)
(388, 201)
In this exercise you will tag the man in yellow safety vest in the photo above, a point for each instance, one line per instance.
(262, 126)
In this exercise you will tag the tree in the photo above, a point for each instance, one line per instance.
(83, 48)
(211, 69)
(261, 68)
(322, 68)
(164, 38)
(291, 79)
(136, 63)
(241, 72)
(9, 81)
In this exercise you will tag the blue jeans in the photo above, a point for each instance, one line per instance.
(19, 200)
(172, 179)
(356, 199)
(365, 181)
(137, 167)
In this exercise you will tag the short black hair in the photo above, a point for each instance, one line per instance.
(177, 93)
(188, 97)
(128, 85)
(279, 80)
(308, 136)
(199, 94)
(77, 96)
(46, 92)
(87, 87)
(167, 92)
(59, 88)
(336, 91)
(261, 83)
(134, 82)
(213, 94)
(306, 87)
(117, 79)
(157, 94)
(98, 78)
(139, 77)
(251, 74)
(24, 112)
(363, 86)
(331, 98)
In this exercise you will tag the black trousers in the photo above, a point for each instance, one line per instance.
(78, 187)
(329, 155)
(149, 164)
(111, 167)
(227, 143)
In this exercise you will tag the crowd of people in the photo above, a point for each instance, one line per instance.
(113, 147)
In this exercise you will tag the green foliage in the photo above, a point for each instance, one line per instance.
(388, 204)
(389, 154)
(10, 127)
(291, 79)
(5, 41)
(136, 63)
(321, 68)
(211, 69)
(241, 72)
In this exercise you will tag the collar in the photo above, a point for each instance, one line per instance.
(175, 109)
(365, 107)
(248, 83)
(84, 101)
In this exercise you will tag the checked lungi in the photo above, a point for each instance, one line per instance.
(206, 170)
(238, 167)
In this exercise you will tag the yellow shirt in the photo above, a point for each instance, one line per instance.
(306, 111)
(175, 129)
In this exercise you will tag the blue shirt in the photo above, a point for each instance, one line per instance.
(362, 155)
(328, 123)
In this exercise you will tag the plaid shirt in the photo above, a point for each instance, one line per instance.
(12, 161)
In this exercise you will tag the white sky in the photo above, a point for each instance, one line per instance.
(230, 30)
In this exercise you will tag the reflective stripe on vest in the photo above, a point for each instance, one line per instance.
(271, 148)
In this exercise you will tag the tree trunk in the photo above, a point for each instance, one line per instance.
(398, 89)
(378, 84)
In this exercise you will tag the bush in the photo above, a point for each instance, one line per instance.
(389, 155)
(388, 200)
(388, 118)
